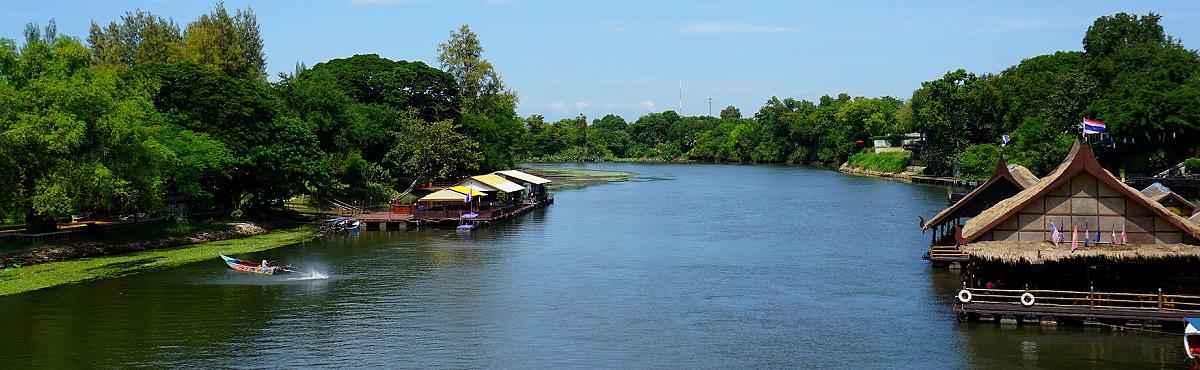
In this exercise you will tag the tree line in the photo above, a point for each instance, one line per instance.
(1143, 83)
(147, 112)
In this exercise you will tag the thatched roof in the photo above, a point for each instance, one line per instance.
(1023, 175)
(1080, 160)
(1039, 252)
(1018, 176)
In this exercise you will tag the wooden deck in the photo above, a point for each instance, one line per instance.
(486, 215)
(1081, 306)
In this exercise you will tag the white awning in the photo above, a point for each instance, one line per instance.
(523, 177)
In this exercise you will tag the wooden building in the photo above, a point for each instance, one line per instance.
(1006, 180)
(1134, 261)
(1174, 202)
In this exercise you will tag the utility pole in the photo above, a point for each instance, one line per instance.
(680, 98)
(710, 106)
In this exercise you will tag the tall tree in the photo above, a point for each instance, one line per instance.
(481, 87)
(140, 37)
(230, 43)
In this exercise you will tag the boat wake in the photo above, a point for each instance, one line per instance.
(310, 276)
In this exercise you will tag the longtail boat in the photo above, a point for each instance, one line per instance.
(1191, 338)
(257, 268)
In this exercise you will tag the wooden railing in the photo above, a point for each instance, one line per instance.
(1093, 299)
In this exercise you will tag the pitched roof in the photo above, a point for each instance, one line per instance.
(1079, 160)
(499, 183)
(444, 195)
(1021, 178)
(1023, 175)
(1160, 193)
(1037, 252)
(523, 177)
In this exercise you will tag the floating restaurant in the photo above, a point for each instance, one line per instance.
(479, 200)
(1076, 245)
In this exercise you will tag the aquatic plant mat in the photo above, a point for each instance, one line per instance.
(571, 178)
(24, 279)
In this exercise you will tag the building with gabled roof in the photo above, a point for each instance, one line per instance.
(1006, 180)
(1122, 255)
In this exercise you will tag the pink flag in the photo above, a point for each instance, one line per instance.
(1074, 237)
(1112, 239)
(1124, 236)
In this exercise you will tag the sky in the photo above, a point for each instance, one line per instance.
(629, 58)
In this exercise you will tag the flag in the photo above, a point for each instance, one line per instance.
(1087, 239)
(1004, 140)
(1091, 126)
(1124, 236)
(1074, 237)
(1112, 239)
(1055, 236)
(1097, 236)
(468, 195)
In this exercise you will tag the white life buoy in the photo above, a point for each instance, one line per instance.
(964, 296)
(1027, 299)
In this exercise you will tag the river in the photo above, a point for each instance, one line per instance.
(684, 266)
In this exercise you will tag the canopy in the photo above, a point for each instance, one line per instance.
(444, 195)
(499, 183)
(1193, 324)
(523, 177)
(463, 190)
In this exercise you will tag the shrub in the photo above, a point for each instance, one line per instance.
(978, 161)
(1192, 165)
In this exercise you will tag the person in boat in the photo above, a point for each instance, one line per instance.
(265, 264)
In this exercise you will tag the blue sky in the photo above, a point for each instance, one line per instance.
(629, 57)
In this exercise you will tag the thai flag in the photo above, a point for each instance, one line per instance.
(1091, 126)
(468, 195)
(1055, 235)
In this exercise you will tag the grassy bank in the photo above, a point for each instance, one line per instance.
(41, 276)
(891, 162)
(570, 178)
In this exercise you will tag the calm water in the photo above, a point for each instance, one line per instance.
(686, 266)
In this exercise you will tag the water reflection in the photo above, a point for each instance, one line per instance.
(687, 266)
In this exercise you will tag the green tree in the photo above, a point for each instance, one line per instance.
(481, 87)
(140, 37)
(230, 43)
(432, 150)
(731, 112)
(73, 139)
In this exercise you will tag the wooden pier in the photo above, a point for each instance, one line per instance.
(486, 214)
(1086, 307)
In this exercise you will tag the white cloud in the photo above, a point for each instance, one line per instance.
(615, 28)
(581, 105)
(646, 106)
(559, 107)
(718, 27)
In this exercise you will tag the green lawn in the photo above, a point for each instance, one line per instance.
(891, 162)
(41, 276)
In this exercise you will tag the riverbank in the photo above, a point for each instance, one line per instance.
(29, 278)
(905, 176)
(136, 239)
(573, 178)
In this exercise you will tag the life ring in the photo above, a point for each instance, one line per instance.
(964, 296)
(1027, 299)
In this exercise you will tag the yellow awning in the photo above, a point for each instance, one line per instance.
(463, 190)
(444, 195)
(523, 177)
(498, 182)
